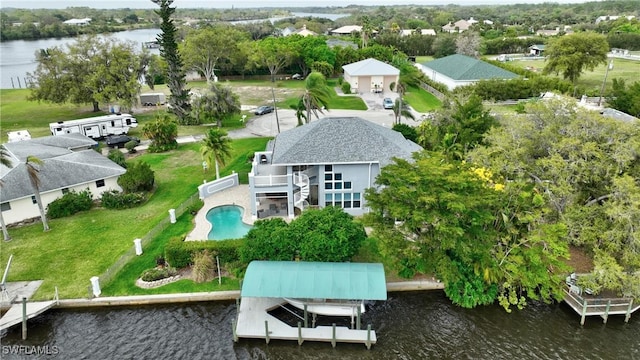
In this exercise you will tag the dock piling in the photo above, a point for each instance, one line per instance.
(300, 333)
(333, 335)
(233, 330)
(358, 314)
(306, 321)
(584, 313)
(24, 318)
(368, 343)
(605, 317)
(266, 331)
(628, 314)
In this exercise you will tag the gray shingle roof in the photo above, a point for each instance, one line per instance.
(461, 67)
(61, 167)
(337, 140)
(370, 67)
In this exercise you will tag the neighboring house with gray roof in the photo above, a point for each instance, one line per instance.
(460, 70)
(326, 162)
(370, 75)
(69, 163)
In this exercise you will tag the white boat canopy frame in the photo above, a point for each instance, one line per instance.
(315, 280)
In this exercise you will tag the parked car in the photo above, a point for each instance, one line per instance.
(387, 103)
(118, 141)
(297, 77)
(263, 110)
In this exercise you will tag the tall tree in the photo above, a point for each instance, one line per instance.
(584, 165)
(625, 99)
(33, 165)
(4, 161)
(217, 104)
(316, 95)
(204, 48)
(484, 241)
(216, 148)
(570, 55)
(271, 53)
(468, 43)
(179, 99)
(92, 70)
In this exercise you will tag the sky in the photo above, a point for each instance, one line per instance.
(147, 4)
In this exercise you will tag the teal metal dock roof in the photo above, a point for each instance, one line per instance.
(315, 280)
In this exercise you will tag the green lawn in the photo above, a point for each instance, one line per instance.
(86, 244)
(591, 81)
(421, 100)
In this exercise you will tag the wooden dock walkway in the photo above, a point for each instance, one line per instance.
(603, 307)
(254, 321)
(14, 315)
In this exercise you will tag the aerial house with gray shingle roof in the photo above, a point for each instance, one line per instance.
(326, 162)
(460, 70)
(69, 163)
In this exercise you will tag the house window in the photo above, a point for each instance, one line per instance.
(5, 206)
(100, 183)
(328, 186)
(347, 201)
(328, 199)
(338, 186)
(347, 184)
(356, 200)
(328, 176)
(33, 199)
(337, 200)
(65, 191)
(328, 168)
(338, 177)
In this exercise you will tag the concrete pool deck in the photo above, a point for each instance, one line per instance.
(238, 195)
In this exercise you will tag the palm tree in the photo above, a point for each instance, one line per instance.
(216, 148)
(299, 108)
(401, 109)
(4, 160)
(33, 168)
(316, 95)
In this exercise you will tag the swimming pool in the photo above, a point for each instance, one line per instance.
(226, 223)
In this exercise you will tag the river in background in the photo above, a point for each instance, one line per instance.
(17, 58)
(410, 325)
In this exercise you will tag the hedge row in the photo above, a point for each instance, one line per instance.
(500, 90)
(179, 253)
(69, 204)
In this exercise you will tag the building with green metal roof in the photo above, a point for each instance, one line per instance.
(460, 70)
(315, 280)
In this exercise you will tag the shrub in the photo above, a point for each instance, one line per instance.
(69, 204)
(117, 157)
(203, 266)
(114, 199)
(180, 253)
(158, 274)
(139, 177)
(131, 147)
(346, 87)
(409, 132)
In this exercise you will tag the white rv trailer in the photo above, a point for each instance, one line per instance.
(95, 127)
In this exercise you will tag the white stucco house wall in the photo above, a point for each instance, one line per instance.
(370, 75)
(329, 162)
(69, 163)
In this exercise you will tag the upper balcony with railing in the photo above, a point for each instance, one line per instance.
(266, 174)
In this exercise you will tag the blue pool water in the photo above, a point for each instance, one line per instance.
(227, 223)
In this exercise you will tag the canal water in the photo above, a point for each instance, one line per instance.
(410, 325)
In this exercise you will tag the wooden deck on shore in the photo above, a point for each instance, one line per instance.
(603, 307)
(254, 321)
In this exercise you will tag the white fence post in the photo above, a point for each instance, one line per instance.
(95, 285)
(172, 215)
(138, 245)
